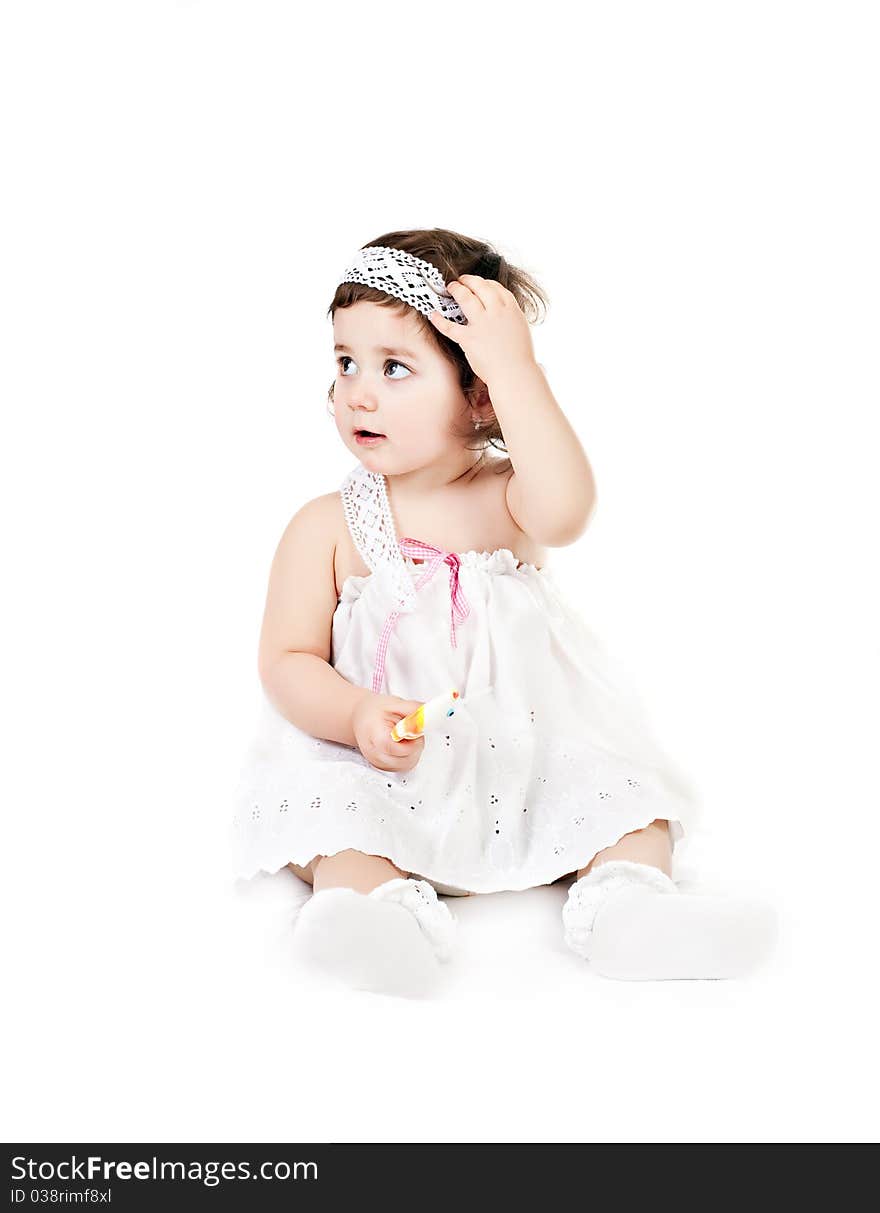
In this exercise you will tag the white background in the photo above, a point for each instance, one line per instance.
(695, 186)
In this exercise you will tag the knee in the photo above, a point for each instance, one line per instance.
(354, 870)
(364, 859)
(649, 845)
(308, 872)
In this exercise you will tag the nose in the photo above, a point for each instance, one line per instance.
(363, 398)
(363, 401)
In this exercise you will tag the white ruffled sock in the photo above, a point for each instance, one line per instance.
(386, 941)
(631, 922)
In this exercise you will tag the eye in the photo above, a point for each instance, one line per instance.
(391, 362)
(344, 358)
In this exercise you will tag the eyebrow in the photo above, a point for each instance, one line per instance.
(379, 349)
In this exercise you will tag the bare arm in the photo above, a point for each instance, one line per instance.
(552, 493)
(309, 693)
(295, 640)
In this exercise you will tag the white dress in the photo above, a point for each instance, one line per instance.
(548, 758)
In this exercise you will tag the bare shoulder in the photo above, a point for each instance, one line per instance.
(317, 520)
(301, 597)
(328, 519)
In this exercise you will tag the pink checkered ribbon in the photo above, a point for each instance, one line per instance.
(458, 604)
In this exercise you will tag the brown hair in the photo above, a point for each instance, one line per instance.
(453, 254)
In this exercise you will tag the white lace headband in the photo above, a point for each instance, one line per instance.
(405, 276)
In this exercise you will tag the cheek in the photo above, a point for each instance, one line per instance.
(427, 411)
(422, 426)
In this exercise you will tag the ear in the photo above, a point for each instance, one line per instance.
(480, 402)
(478, 395)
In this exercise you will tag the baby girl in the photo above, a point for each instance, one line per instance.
(427, 570)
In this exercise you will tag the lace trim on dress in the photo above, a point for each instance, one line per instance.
(371, 525)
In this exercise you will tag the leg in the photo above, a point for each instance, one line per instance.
(368, 924)
(619, 917)
(348, 869)
(650, 845)
(307, 873)
(354, 870)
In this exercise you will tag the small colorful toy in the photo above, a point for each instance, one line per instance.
(427, 716)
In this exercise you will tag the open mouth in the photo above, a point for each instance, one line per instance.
(367, 434)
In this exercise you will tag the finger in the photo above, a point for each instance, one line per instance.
(389, 764)
(385, 760)
(400, 740)
(402, 709)
(447, 327)
(399, 748)
(396, 716)
(490, 292)
(396, 762)
(468, 294)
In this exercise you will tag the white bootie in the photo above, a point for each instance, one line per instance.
(621, 918)
(432, 915)
(387, 941)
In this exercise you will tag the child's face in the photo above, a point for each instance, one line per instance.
(411, 395)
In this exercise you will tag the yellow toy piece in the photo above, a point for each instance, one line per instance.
(426, 716)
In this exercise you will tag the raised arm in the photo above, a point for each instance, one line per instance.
(552, 493)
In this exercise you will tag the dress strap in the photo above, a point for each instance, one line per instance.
(371, 526)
